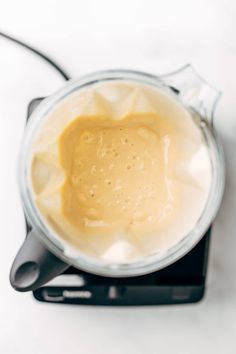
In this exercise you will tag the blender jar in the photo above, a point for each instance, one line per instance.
(196, 96)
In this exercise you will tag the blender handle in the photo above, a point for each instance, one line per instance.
(34, 265)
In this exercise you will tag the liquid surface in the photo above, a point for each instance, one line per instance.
(114, 180)
(117, 177)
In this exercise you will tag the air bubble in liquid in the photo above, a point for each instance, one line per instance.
(88, 137)
(82, 197)
(141, 167)
(92, 193)
(93, 169)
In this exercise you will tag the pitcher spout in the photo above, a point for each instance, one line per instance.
(193, 91)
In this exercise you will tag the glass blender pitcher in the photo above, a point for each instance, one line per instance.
(42, 256)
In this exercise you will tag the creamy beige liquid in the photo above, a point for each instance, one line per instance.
(120, 171)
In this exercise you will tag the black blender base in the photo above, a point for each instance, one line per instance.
(179, 283)
(132, 295)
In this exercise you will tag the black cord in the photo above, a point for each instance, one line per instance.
(39, 53)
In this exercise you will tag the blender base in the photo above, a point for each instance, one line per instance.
(182, 282)
(179, 283)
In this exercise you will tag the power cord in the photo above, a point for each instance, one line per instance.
(39, 53)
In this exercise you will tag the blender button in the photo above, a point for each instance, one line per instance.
(116, 292)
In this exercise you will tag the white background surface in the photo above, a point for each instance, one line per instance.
(156, 36)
